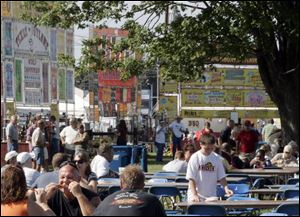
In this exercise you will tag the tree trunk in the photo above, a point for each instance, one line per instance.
(282, 85)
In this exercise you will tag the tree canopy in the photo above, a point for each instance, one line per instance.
(204, 33)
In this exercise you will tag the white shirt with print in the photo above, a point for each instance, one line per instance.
(206, 171)
(176, 127)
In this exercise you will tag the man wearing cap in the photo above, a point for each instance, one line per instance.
(178, 129)
(10, 159)
(24, 159)
(246, 144)
(12, 134)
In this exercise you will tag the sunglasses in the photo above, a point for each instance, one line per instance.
(79, 161)
(70, 163)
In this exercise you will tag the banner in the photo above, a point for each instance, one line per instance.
(2, 78)
(6, 9)
(29, 39)
(10, 109)
(168, 105)
(62, 84)
(227, 77)
(33, 97)
(53, 47)
(113, 79)
(32, 73)
(96, 111)
(9, 80)
(53, 82)
(18, 89)
(45, 72)
(61, 41)
(91, 98)
(256, 98)
(55, 110)
(70, 85)
(244, 114)
(223, 98)
(191, 97)
(8, 41)
(169, 87)
(70, 42)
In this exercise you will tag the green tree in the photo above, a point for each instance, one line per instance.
(205, 33)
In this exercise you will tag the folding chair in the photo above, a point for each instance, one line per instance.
(211, 210)
(290, 209)
(168, 196)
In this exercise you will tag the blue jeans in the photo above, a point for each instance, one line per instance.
(160, 151)
(13, 147)
(176, 144)
(54, 146)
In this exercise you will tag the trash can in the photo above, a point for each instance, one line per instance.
(122, 157)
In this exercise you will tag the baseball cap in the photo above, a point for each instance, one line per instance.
(10, 155)
(23, 157)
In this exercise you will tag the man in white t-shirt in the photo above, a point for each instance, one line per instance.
(160, 140)
(101, 162)
(68, 136)
(178, 129)
(205, 169)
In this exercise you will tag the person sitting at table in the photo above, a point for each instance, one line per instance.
(101, 162)
(68, 198)
(268, 152)
(259, 161)
(285, 159)
(131, 200)
(178, 165)
(88, 178)
(205, 169)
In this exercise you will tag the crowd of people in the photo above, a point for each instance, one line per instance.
(239, 146)
(70, 189)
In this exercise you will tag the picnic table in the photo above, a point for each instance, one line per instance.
(260, 204)
(286, 172)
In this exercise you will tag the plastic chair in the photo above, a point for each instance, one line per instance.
(274, 214)
(114, 180)
(259, 183)
(167, 196)
(290, 209)
(292, 181)
(181, 180)
(114, 188)
(163, 174)
(212, 210)
(291, 194)
(241, 211)
(239, 190)
(247, 179)
(158, 180)
(284, 188)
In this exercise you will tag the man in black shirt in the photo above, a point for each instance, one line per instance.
(131, 200)
(226, 133)
(69, 199)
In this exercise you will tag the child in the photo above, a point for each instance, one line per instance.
(205, 169)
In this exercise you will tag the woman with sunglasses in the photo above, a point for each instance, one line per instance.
(88, 178)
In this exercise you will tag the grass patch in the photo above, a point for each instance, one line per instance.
(153, 166)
